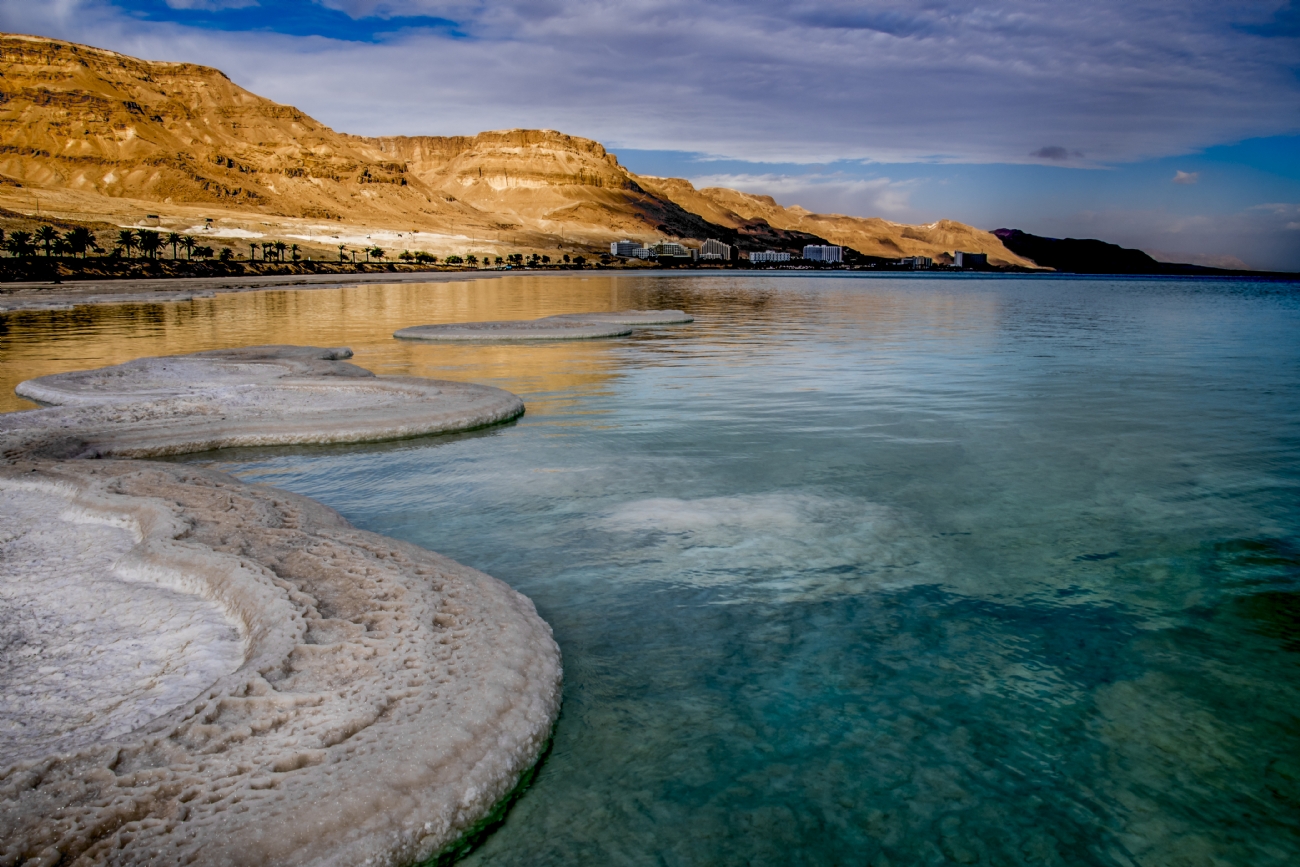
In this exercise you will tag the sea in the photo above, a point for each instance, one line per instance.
(853, 569)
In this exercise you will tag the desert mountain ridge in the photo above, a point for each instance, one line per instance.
(91, 134)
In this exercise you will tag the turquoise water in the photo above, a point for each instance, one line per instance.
(878, 570)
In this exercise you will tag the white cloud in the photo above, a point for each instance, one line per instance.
(822, 193)
(1186, 177)
(211, 5)
(948, 80)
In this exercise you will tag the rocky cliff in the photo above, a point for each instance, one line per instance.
(92, 134)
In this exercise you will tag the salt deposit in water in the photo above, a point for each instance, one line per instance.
(567, 326)
(208, 672)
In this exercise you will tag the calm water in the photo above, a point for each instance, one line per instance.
(852, 571)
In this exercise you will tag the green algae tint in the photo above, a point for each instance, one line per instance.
(851, 570)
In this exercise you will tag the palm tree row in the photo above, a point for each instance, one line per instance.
(80, 241)
(273, 251)
(73, 242)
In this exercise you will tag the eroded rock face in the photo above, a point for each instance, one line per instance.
(201, 671)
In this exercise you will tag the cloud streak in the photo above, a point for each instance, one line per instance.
(886, 80)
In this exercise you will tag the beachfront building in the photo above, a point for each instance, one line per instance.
(671, 250)
(628, 250)
(970, 260)
(917, 263)
(823, 253)
(715, 250)
(769, 256)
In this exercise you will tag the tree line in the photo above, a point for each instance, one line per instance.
(80, 241)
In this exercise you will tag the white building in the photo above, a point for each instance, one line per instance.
(916, 262)
(715, 250)
(769, 256)
(823, 253)
(970, 260)
(628, 250)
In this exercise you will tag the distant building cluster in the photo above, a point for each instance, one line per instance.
(822, 253)
(769, 256)
(917, 262)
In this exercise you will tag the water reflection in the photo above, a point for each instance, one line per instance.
(889, 571)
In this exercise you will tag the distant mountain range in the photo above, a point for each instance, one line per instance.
(93, 135)
(102, 138)
(1088, 256)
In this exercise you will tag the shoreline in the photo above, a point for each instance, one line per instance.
(76, 293)
(33, 295)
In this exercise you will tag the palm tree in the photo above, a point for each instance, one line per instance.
(377, 253)
(188, 244)
(173, 239)
(267, 248)
(46, 236)
(342, 250)
(280, 247)
(252, 251)
(20, 244)
(471, 259)
(149, 243)
(293, 252)
(126, 241)
(79, 240)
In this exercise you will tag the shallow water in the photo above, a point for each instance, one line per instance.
(852, 570)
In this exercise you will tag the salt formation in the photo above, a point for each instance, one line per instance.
(196, 670)
(251, 397)
(627, 317)
(566, 326)
(522, 329)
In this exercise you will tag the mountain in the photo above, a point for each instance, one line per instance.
(91, 134)
(870, 236)
(1090, 256)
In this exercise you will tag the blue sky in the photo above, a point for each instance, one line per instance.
(1170, 126)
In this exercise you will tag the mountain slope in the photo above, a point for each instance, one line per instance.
(94, 134)
(870, 236)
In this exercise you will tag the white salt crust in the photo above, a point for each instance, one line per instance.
(627, 317)
(523, 329)
(258, 396)
(200, 671)
(567, 326)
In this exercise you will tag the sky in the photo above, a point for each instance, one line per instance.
(1169, 125)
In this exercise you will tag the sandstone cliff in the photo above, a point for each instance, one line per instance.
(92, 134)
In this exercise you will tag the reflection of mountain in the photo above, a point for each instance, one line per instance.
(1089, 256)
(94, 134)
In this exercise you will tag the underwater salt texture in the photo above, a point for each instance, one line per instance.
(902, 570)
